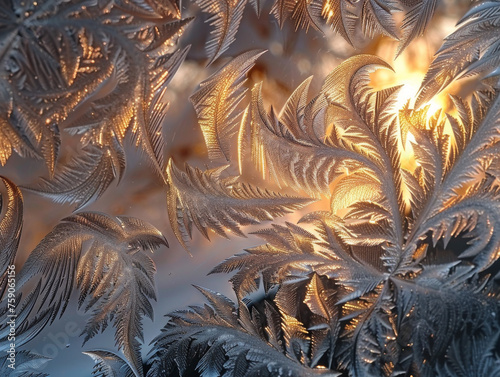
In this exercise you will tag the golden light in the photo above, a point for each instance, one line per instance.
(408, 92)
(408, 161)
(410, 76)
(408, 72)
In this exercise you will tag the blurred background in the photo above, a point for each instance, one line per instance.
(292, 57)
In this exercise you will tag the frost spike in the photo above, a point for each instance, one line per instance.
(220, 204)
(225, 18)
(10, 229)
(217, 100)
(104, 257)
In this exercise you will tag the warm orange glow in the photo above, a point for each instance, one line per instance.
(410, 80)
(408, 161)
(411, 84)
(409, 70)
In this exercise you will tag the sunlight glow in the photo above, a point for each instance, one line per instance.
(409, 71)
(408, 161)
(411, 84)
(410, 81)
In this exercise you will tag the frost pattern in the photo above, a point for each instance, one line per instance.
(237, 341)
(400, 275)
(216, 103)
(27, 364)
(472, 49)
(105, 258)
(382, 286)
(97, 70)
(372, 17)
(10, 229)
(209, 201)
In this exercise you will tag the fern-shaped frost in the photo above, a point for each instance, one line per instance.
(98, 74)
(416, 21)
(472, 49)
(109, 364)
(400, 293)
(217, 100)
(235, 345)
(105, 259)
(10, 228)
(225, 17)
(220, 204)
(84, 178)
(27, 364)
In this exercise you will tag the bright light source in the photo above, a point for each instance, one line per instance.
(411, 84)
